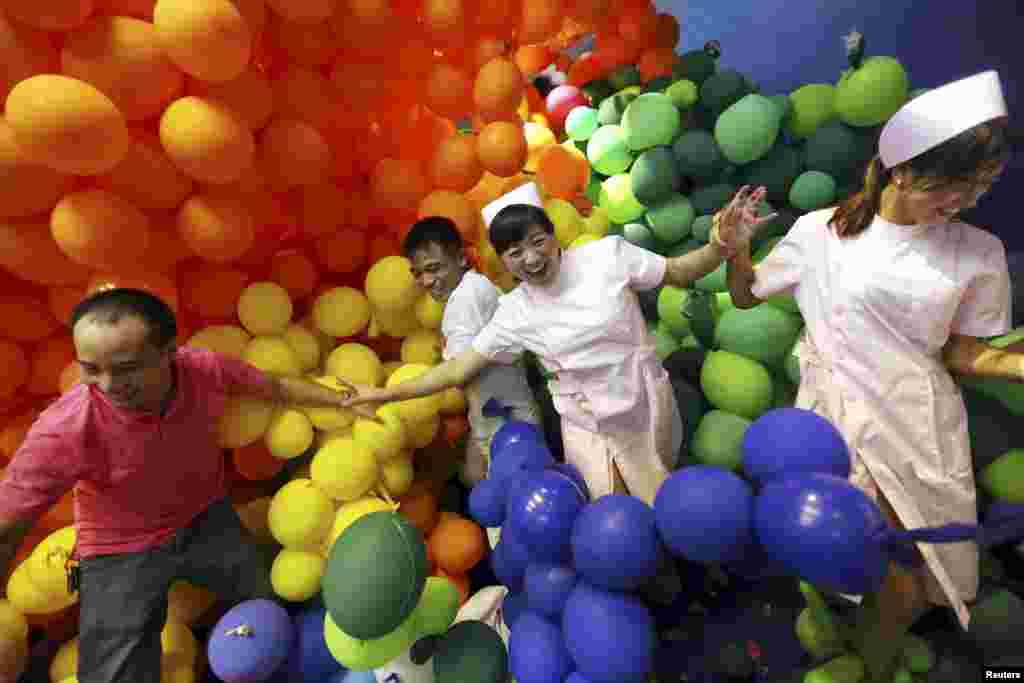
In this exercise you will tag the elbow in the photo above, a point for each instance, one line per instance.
(743, 300)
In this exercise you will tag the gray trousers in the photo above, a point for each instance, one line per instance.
(124, 596)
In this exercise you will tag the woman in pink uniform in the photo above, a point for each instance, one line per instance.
(578, 312)
(893, 289)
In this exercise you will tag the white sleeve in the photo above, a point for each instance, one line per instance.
(499, 339)
(780, 271)
(465, 316)
(985, 309)
(644, 269)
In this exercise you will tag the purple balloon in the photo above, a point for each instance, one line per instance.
(250, 642)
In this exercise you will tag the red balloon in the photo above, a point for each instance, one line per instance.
(563, 100)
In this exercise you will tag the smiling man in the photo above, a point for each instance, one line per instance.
(137, 441)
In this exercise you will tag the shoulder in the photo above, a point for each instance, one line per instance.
(68, 417)
(814, 221)
(977, 239)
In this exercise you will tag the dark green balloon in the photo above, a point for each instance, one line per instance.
(698, 155)
(374, 575)
(722, 90)
(471, 651)
(598, 91)
(695, 65)
(684, 247)
(776, 170)
(709, 199)
(654, 176)
(839, 150)
(625, 76)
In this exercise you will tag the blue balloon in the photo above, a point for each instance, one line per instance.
(610, 635)
(353, 677)
(615, 542)
(790, 441)
(511, 432)
(520, 456)
(310, 660)
(548, 587)
(825, 530)
(537, 652)
(510, 559)
(753, 563)
(236, 657)
(512, 607)
(571, 471)
(487, 502)
(543, 511)
(704, 513)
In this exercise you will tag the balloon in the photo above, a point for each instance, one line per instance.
(487, 502)
(537, 652)
(520, 456)
(512, 607)
(548, 587)
(543, 511)
(704, 513)
(793, 440)
(250, 642)
(402, 669)
(438, 605)
(363, 655)
(510, 559)
(310, 660)
(375, 575)
(615, 542)
(511, 432)
(471, 651)
(609, 635)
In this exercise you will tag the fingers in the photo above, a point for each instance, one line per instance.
(368, 413)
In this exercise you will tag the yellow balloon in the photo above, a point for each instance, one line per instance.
(341, 312)
(397, 475)
(244, 421)
(187, 602)
(398, 323)
(422, 433)
(390, 285)
(416, 409)
(584, 238)
(429, 312)
(344, 470)
(305, 345)
(12, 622)
(178, 644)
(422, 346)
(329, 419)
(296, 574)
(453, 401)
(65, 662)
(272, 355)
(209, 40)
(349, 512)
(355, 363)
(230, 340)
(46, 565)
(598, 222)
(300, 515)
(289, 435)
(171, 672)
(28, 599)
(538, 137)
(265, 308)
(384, 439)
(567, 220)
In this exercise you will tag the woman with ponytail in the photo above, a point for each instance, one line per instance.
(896, 293)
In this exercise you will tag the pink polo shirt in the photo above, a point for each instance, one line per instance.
(138, 477)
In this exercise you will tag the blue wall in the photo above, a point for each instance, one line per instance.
(783, 44)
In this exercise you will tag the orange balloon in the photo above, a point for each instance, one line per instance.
(613, 51)
(381, 245)
(255, 463)
(13, 431)
(656, 62)
(216, 227)
(49, 359)
(294, 153)
(420, 131)
(638, 24)
(666, 31)
(60, 515)
(63, 300)
(455, 428)
(448, 91)
(587, 67)
(100, 229)
(457, 545)
(445, 21)
(295, 271)
(562, 173)
(460, 581)
(26, 318)
(343, 251)
(305, 43)
(212, 291)
(456, 207)
(70, 376)
(28, 249)
(420, 509)
(501, 148)
(539, 20)
(455, 165)
(166, 247)
(156, 284)
(14, 370)
(486, 49)
(497, 17)
(498, 89)
(533, 59)
(398, 184)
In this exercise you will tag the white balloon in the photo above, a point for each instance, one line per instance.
(402, 669)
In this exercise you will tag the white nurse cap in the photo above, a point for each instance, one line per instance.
(524, 194)
(939, 115)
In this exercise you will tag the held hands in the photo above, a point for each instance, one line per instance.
(360, 399)
(736, 224)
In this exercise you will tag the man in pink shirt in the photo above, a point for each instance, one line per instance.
(137, 440)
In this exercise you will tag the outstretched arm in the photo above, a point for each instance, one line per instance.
(970, 356)
(451, 373)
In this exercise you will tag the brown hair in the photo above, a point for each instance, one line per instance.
(956, 160)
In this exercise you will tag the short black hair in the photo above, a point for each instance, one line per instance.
(512, 223)
(110, 305)
(432, 230)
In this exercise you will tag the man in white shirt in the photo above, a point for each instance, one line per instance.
(439, 263)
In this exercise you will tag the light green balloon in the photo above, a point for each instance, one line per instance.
(607, 150)
(581, 123)
(813, 105)
(618, 200)
(670, 220)
(812, 190)
(651, 120)
(718, 439)
(736, 384)
(364, 655)
(872, 93)
(671, 306)
(748, 129)
(702, 227)
(640, 235)
(438, 606)
(684, 94)
(665, 343)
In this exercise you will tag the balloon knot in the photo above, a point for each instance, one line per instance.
(713, 49)
(854, 43)
(243, 631)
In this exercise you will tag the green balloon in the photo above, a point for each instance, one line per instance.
(748, 129)
(670, 219)
(792, 367)
(783, 391)
(364, 655)
(813, 105)
(598, 91)
(684, 94)
(718, 439)
(1004, 478)
(593, 191)
(839, 150)
(695, 65)
(682, 248)
(721, 90)
(702, 227)
(698, 156)
(375, 575)
(918, 654)
(784, 106)
(640, 235)
(871, 94)
(762, 333)
(610, 111)
(714, 281)
(650, 120)
(736, 384)
(665, 343)
(701, 310)
(812, 190)
(625, 77)
(607, 150)
(776, 170)
(618, 200)
(710, 198)
(471, 651)
(438, 606)
(672, 310)
(654, 175)
(581, 123)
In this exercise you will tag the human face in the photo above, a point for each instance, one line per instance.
(438, 270)
(928, 201)
(535, 259)
(120, 360)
